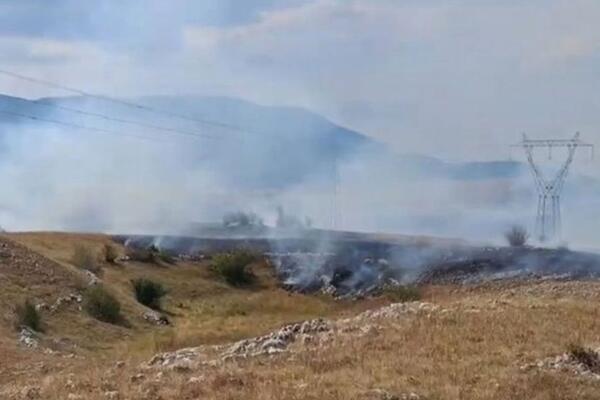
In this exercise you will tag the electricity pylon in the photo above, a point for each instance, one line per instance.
(548, 223)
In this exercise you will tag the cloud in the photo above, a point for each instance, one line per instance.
(458, 78)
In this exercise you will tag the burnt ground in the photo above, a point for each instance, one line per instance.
(358, 265)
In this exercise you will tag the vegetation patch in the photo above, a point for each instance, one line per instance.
(151, 254)
(102, 305)
(148, 292)
(110, 253)
(84, 258)
(517, 236)
(403, 294)
(234, 267)
(27, 315)
(140, 254)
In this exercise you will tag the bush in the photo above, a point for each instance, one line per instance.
(141, 254)
(233, 267)
(102, 305)
(27, 315)
(588, 357)
(150, 254)
(165, 257)
(84, 258)
(517, 236)
(110, 253)
(148, 292)
(403, 294)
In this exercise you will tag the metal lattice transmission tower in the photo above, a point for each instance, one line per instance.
(548, 223)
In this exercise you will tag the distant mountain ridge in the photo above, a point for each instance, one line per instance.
(311, 143)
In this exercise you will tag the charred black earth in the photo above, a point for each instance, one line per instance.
(350, 264)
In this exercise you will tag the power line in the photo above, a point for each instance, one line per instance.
(119, 101)
(76, 126)
(116, 119)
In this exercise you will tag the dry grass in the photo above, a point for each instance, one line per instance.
(459, 354)
(202, 308)
(472, 351)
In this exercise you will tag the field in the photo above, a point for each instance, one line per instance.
(479, 341)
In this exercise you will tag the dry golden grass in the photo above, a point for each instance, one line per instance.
(202, 308)
(471, 351)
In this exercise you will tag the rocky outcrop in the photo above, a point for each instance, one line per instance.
(570, 363)
(311, 333)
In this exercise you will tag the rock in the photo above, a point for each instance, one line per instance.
(73, 298)
(565, 362)
(276, 342)
(28, 337)
(155, 318)
(398, 310)
(41, 307)
(196, 380)
(73, 396)
(182, 366)
(92, 279)
(31, 392)
(112, 395)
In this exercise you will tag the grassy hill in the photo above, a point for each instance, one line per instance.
(201, 306)
(493, 340)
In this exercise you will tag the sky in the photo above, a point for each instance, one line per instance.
(459, 79)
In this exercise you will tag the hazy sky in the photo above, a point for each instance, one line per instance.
(457, 78)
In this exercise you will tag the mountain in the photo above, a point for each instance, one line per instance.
(269, 146)
(259, 147)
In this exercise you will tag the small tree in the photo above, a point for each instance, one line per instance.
(148, 292)
(102, 305)
(517, 236)
(84, 258)
(165, 256)
(145, 255)
(27, 315)
(110, 253)
(233, 267)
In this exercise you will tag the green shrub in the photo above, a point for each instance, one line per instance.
(403, 294)
(517, 236)
(102, 305)
(84, 258)
(141, 255)
(165, 257)
(110, 253)
(27, 315)
(233, 267)
(148, 292)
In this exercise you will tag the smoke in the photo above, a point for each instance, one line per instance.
(67, 179)
(332, 56)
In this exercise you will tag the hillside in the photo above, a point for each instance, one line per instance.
(248, 135)
(250, 132)
(487, 340)
(201, 307)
